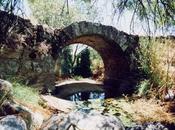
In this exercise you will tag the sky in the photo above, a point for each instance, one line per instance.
(139, 28)
(105, 11)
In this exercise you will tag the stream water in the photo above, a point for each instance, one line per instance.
(85, 96)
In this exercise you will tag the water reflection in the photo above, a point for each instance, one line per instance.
(84, 96)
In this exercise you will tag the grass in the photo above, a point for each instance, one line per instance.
(29, 97)
(25, 94)
(143, 110)
(143, 87)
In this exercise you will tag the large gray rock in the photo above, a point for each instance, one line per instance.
(83, 121)
(5, 90)
(5, 85)
(33, 120)
(148, 126)
(12, 123)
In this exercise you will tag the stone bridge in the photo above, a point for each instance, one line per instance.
(116, 48)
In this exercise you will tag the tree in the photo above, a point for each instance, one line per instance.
(159, 12)
(83, 64)
(66, 62)
(89, 10)
(53, 13)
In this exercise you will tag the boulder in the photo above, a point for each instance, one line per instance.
(32, 119)
(53, 122)
(5, 90)
(12, 122)
(37, 120)
(79, 120)
(8, 108)
(58, 104)
(148, 126)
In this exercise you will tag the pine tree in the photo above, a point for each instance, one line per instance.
(66, 63)
(83, 64)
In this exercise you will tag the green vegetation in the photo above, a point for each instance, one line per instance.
(82, 67)
(157, 12)
(53, 13)
(61, 13)
(143, 87)
(66, 62)
(81, 60)
(25, 94)
(156, 63)
(77, 77)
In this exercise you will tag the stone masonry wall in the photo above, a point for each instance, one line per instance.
(33, 71)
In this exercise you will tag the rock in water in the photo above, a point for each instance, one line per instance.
(12, 123)
(83, 121)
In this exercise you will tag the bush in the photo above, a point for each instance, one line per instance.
(155, 60)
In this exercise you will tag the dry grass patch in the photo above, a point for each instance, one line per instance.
(143, 110)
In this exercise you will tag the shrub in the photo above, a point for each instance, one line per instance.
(155, 60)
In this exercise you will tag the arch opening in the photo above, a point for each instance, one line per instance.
(79, 59)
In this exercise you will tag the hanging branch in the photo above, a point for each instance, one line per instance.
(62, 10)
(67, 6)
(161, 12)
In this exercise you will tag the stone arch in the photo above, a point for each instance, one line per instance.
(115, 47)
